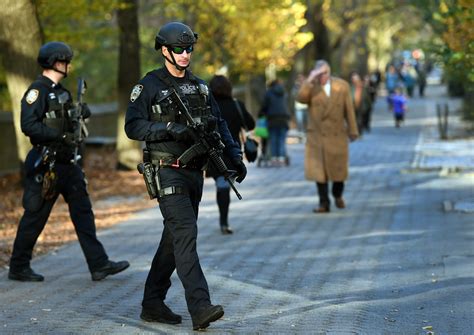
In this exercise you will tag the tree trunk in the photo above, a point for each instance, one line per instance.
(254, 92)
(353, 53)
(363, 51)
(319, 48)
(128, 151)
(321, 34)
(20, 40)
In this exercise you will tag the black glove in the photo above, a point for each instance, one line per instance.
(86, 111)
(240, 167)
(179, 131)
(68, 139)
(211, 123)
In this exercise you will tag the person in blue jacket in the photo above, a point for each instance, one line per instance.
(275, 109)
(399, 105)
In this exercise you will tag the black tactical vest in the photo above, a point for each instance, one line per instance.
(193, 94)
(59, 104)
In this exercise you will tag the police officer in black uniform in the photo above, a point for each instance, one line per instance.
(149, 118)
(46, 108)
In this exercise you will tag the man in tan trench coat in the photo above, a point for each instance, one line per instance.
(331, 124)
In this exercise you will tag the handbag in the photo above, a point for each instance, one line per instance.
(250, 144)
(261, 129)
(250, 149)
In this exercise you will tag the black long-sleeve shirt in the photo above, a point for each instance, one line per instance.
(35, 104)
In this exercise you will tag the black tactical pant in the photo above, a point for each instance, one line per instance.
(177, 249)
(71, 184)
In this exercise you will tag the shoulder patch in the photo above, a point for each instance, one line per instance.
(137, 89)
(31, 96)
(204, 89)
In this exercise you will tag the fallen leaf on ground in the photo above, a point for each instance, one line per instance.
(126, 188)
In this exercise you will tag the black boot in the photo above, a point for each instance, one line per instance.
(223, 201)
(324, 203)
(27, 274)
(110, 268)
(204, 316)
(160, 313)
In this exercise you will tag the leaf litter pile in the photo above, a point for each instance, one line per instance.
(115, 195)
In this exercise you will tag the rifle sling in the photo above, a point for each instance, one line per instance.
(164, 159)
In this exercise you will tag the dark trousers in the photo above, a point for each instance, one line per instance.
(367, 116)
(337, 190)
(223, 200)
(177, 248)
(278, 141)
(71, 184)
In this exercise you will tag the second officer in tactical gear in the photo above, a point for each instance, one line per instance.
(46, 110)
(151, 118)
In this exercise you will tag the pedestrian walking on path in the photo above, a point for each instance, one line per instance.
(398, 103)
(52, 169)
(153, 118)
(275, 109)
(392, 79)
(362, 103)
(331, 124)
(238, 119)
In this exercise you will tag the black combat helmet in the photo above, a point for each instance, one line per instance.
(175, 34)
(52, 52)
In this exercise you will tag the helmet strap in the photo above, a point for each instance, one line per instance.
(64, 73)
(179, 67)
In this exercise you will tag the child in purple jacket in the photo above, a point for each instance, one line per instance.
(398, 103)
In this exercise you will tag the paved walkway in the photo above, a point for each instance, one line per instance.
(395, 261)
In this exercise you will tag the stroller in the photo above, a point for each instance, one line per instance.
(265, 158)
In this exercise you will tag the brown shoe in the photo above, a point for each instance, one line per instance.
(340, 203)
(321, 209)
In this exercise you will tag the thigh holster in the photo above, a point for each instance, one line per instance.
(152, 162)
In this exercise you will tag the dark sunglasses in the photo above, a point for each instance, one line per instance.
(180, 50)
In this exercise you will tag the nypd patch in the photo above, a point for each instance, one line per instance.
(31, 96)
(137, 89)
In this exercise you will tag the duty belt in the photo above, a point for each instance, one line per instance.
(62, 154)
(164, 159)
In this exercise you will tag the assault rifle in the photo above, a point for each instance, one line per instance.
(205, 142)
(75, 114)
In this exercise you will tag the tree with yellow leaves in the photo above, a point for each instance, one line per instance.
(245, 36)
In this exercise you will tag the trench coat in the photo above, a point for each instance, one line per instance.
(331, 120)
